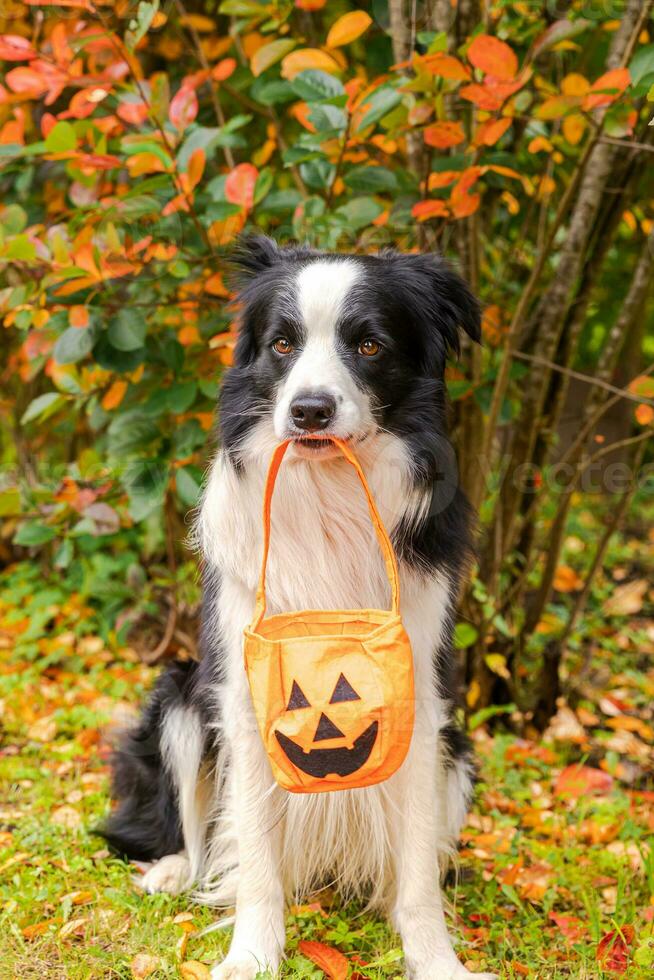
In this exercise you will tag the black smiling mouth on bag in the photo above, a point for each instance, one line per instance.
(340, 761)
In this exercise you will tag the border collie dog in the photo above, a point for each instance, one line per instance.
(351, 347)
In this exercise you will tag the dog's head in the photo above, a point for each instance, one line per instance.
(339, 345)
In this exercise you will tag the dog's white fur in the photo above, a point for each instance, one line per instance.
(388, 840)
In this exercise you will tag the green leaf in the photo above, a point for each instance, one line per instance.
(127, 330)
(34, 534)
(464, 635)
(13, 219)
(181, 396)
(20, 249)
(112, 359)
(74, 344)
(9, 502)
(327, 118)
(360, 212)
(314, 85)
(375, 180)
(269, 54)
(642, 64)
(188, 488)
(281, 202)
(484, 714)
(43, 405)
(140, 25)
(273, 92)
(317, 174)
(379, 104)
(61, 138)
(146, 481)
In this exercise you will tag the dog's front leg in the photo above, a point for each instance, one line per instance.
(258, 939)
(417, 822)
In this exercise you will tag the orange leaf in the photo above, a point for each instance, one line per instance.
(463, 202)
(310, 4)
(222, 71)
(240, 184)
(576, 781)
(607, 88)
(644, 414)
(330, 960)
(78, 316)
(195, 169)
(488, 133)
(348, 28)
(306, 58)
(573, 127)
(189, 335)
(442, 178)
(215, 285)
(642, 386)
(493, 57)
(444, 134)
(424, 210)
(114, 395)
(566, 579)
(443, 66)
(613, 949)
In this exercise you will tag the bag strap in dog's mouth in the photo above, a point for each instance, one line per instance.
(390, 560)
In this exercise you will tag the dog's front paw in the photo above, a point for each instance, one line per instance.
(241, 967)
(172, 874)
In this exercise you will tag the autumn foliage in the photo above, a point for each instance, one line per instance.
(139, 139)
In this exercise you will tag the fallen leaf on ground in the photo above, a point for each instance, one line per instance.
(576, 781)
(330, 960)
(143, 965)
(613, 949)
(194, 970)
(627, 599)
(66, 816)
(73, 929)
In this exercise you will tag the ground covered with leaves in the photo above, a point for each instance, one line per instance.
(556, 876)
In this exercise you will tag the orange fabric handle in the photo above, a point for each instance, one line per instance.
(385, 542)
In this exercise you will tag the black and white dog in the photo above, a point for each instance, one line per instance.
(353, 347)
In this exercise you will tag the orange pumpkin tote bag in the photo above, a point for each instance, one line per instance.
(332, 689)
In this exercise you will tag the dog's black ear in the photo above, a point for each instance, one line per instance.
(441, 299)
(254, 253)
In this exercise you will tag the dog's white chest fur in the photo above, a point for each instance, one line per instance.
(324, 552)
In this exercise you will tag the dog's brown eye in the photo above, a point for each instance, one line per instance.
(282, 346)
(369, 347)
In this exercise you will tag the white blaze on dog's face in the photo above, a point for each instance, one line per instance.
(340, 347)
(319, 395)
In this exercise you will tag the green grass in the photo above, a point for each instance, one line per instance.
(534, 865)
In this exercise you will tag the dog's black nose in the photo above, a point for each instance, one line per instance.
(312, 411)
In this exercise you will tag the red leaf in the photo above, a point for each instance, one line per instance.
(13, 47)
(613, 949)
(576, 781)
(240, 183)
(570, 926)
(183, 108)
(444, 134)
(333, 964)
(493, 57)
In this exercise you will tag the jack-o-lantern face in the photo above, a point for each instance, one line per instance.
(339, 760)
